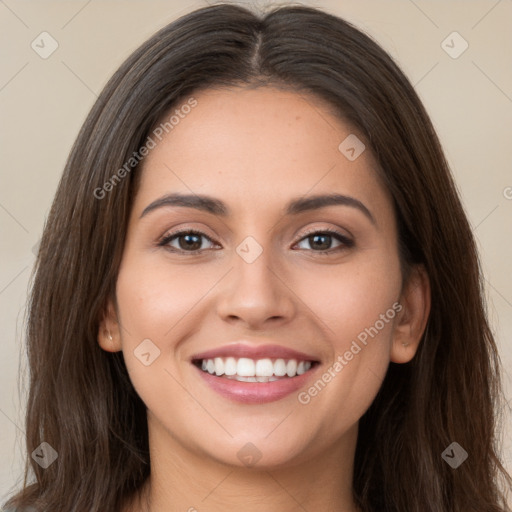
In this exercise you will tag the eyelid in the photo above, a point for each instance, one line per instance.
(168, 236)
(325, 230)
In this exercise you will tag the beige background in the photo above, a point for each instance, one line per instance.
(43, 102)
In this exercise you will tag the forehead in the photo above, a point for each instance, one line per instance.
(253, 145)
(248, 120)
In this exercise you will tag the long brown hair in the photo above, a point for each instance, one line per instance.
(81, 401)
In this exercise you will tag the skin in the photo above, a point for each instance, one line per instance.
(255, 150)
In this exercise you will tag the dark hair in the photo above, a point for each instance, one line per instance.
(81, 400)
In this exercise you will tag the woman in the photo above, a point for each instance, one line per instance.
(257, 286)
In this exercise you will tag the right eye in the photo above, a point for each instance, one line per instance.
(189, 241)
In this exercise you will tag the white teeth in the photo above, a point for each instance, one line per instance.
(280, 368)
(219, 366)
(264, 368)
(291, 368)
(245, 367)
(230, 366)
(250, 370)
(253, 379)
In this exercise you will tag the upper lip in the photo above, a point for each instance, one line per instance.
(244, 349)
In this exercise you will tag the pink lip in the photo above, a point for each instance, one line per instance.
(238, 350)
(256, 392)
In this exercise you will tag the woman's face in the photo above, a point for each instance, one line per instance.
(277, 281)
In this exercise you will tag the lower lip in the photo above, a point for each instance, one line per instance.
(256, 392)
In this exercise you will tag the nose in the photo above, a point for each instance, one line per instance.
(256, 295)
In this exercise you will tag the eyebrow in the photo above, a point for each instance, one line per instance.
(294, 207)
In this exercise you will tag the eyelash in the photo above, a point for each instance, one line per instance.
(346, 242)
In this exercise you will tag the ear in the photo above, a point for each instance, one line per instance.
(109, 333)
(412, 319)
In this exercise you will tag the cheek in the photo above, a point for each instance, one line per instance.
(357, 304)
(351, 297)
(155, 303)
(154, 295)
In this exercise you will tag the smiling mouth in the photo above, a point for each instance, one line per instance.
(244, 369)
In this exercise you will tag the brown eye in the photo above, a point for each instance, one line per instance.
(188, 241)
(321, 241)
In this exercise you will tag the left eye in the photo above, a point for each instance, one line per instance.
(322, 240)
